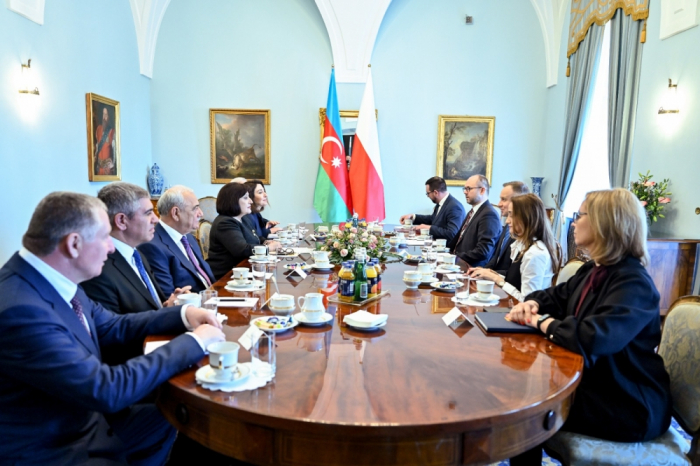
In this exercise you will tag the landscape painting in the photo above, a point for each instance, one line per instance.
(465, 148)
(240, 145)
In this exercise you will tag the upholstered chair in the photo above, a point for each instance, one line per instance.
(569, 270)
(208, 206)
(680, 349)
(203, 237)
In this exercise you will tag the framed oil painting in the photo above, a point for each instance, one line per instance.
(465, 148)
(104, 148)
(240, 144)
(348, 122)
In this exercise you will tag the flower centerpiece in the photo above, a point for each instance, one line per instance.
(342, 244)
(652, 195)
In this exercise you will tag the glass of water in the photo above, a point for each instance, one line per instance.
(259, 270)
(428, 241)
(207, 295)
(264, 356)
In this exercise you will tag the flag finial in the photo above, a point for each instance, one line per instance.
(369, 65)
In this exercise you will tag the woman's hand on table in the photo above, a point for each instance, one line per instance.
(274, 230)
(485, 274)
(525, 313)
(272, 223)
(173, 297)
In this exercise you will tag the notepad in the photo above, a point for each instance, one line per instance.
(495, 322)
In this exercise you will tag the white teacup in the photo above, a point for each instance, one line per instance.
(401, 235)
(223, 358)
(320, 256)
(424, 268)
(292, 226)
(335, 228)
(260, 251)
(188, 298)
(322, 229)
(447, 258)
(484, 288)
(240, 273)
(282, 301)
(424, 231)
(283, 234)
(440, 243)
(412, 275)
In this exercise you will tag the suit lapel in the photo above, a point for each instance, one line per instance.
(129, 274)
(481, 211)
(63, 310)
(170, 244)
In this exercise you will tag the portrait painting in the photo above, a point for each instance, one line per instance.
(240, 145)
(104, 150)
(465, 148)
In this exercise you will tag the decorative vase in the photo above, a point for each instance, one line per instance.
(155, 181)
(537, 185)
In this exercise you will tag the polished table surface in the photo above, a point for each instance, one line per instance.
(413, 392)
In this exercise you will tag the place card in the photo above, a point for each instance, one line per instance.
(300, 271)
(250, 337)
(455, 318)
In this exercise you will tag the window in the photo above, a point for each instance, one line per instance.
(591, 171)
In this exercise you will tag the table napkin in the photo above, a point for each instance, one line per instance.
(365, 319)
(251, 383)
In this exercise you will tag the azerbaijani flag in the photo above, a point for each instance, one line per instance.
(366, 181)
(332, 199)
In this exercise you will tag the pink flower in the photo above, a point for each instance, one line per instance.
(343, 252)
(649, 183)
(353, 230)
(644, 203)
(664, 200)
(336, 245)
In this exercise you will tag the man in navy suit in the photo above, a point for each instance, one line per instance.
(447, 216)
(173, 253)
(59, 403)
(477, 237)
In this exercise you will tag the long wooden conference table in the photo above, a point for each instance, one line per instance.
(415, 392)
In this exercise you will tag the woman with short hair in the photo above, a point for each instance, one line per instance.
(258, 194)
(536, 256)
(230, 239)
(609, 314)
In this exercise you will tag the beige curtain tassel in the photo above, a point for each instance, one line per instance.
(643, 35)
(568, 67)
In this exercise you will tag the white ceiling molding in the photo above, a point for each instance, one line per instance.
(352, 27)
(148, 14)
(30, 9)
(551, 14)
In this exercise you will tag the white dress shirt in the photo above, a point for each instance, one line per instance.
(440, 204)
(535, 269)
(177, 238)
(128, 253)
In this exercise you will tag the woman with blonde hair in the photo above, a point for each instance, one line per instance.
(536, 256)
(609, 314)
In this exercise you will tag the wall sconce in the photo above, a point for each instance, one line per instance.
(27, 79)
(671, 101)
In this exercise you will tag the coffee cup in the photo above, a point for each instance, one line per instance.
(408, 221)
(292, 226)
(240, 273)
(335, 228)
(320, 256)
(282, 301)
(188, 298)
(322, 229)
(447, 258)
(425, 231)
(260, 251)
(484, 288)
(424, 268)
(440, 244)
(223, 358)
(400, 235)
(311, 305)
(412, 275)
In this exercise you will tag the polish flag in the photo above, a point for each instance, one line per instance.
(366, 180)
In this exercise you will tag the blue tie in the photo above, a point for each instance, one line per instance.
(144, 277)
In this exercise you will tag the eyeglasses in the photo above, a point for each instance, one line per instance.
(428, 193)
(578, 215)
(466, 189)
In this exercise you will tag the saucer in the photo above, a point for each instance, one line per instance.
(493, 297)
(282, 311)
(325, 318)
(292, 323)
(471, 302)
(251, 287)
(447, 287)
(206, 374)
(367, 329)
(323, 266)
(272, 236)
(445, 268)
(264, 260)
(429, 281)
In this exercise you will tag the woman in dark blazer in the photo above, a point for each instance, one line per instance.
(263, 227)
(231, 240)
(609, 314)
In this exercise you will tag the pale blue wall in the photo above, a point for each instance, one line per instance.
(83, 46)
(276, 55)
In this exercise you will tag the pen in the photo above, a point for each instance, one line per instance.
(232, 299)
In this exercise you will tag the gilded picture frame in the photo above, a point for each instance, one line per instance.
(103, 138)
(465, 147)
(240, 145)
(348, 121)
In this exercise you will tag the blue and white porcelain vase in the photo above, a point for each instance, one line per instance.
(537, 185)
(155, 181)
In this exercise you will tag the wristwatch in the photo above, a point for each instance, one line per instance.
(542, 319)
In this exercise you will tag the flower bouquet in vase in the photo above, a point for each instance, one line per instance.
(342, 244)
(652, 195)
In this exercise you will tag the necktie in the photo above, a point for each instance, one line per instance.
(464, 227)
(78, 309)
(435, 212)
(144, 277)
(194, 260)
(506, 238)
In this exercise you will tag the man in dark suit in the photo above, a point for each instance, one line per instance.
(447, 216)
(59, 403)
(127, 283)
(477, 237)
(501, 260)
(173, 253)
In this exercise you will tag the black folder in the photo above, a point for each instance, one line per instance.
(495, 322)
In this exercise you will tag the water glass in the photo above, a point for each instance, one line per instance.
(259, 270)
(264, 357)
(428, 241)
(431, 256)
(205, 296)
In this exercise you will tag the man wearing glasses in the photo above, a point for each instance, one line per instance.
(476, 240)
(447, 216)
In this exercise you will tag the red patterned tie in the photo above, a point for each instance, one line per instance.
(464, 227)
(78, 309)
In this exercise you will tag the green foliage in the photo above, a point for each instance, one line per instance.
(342, 244)
(652, 195)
